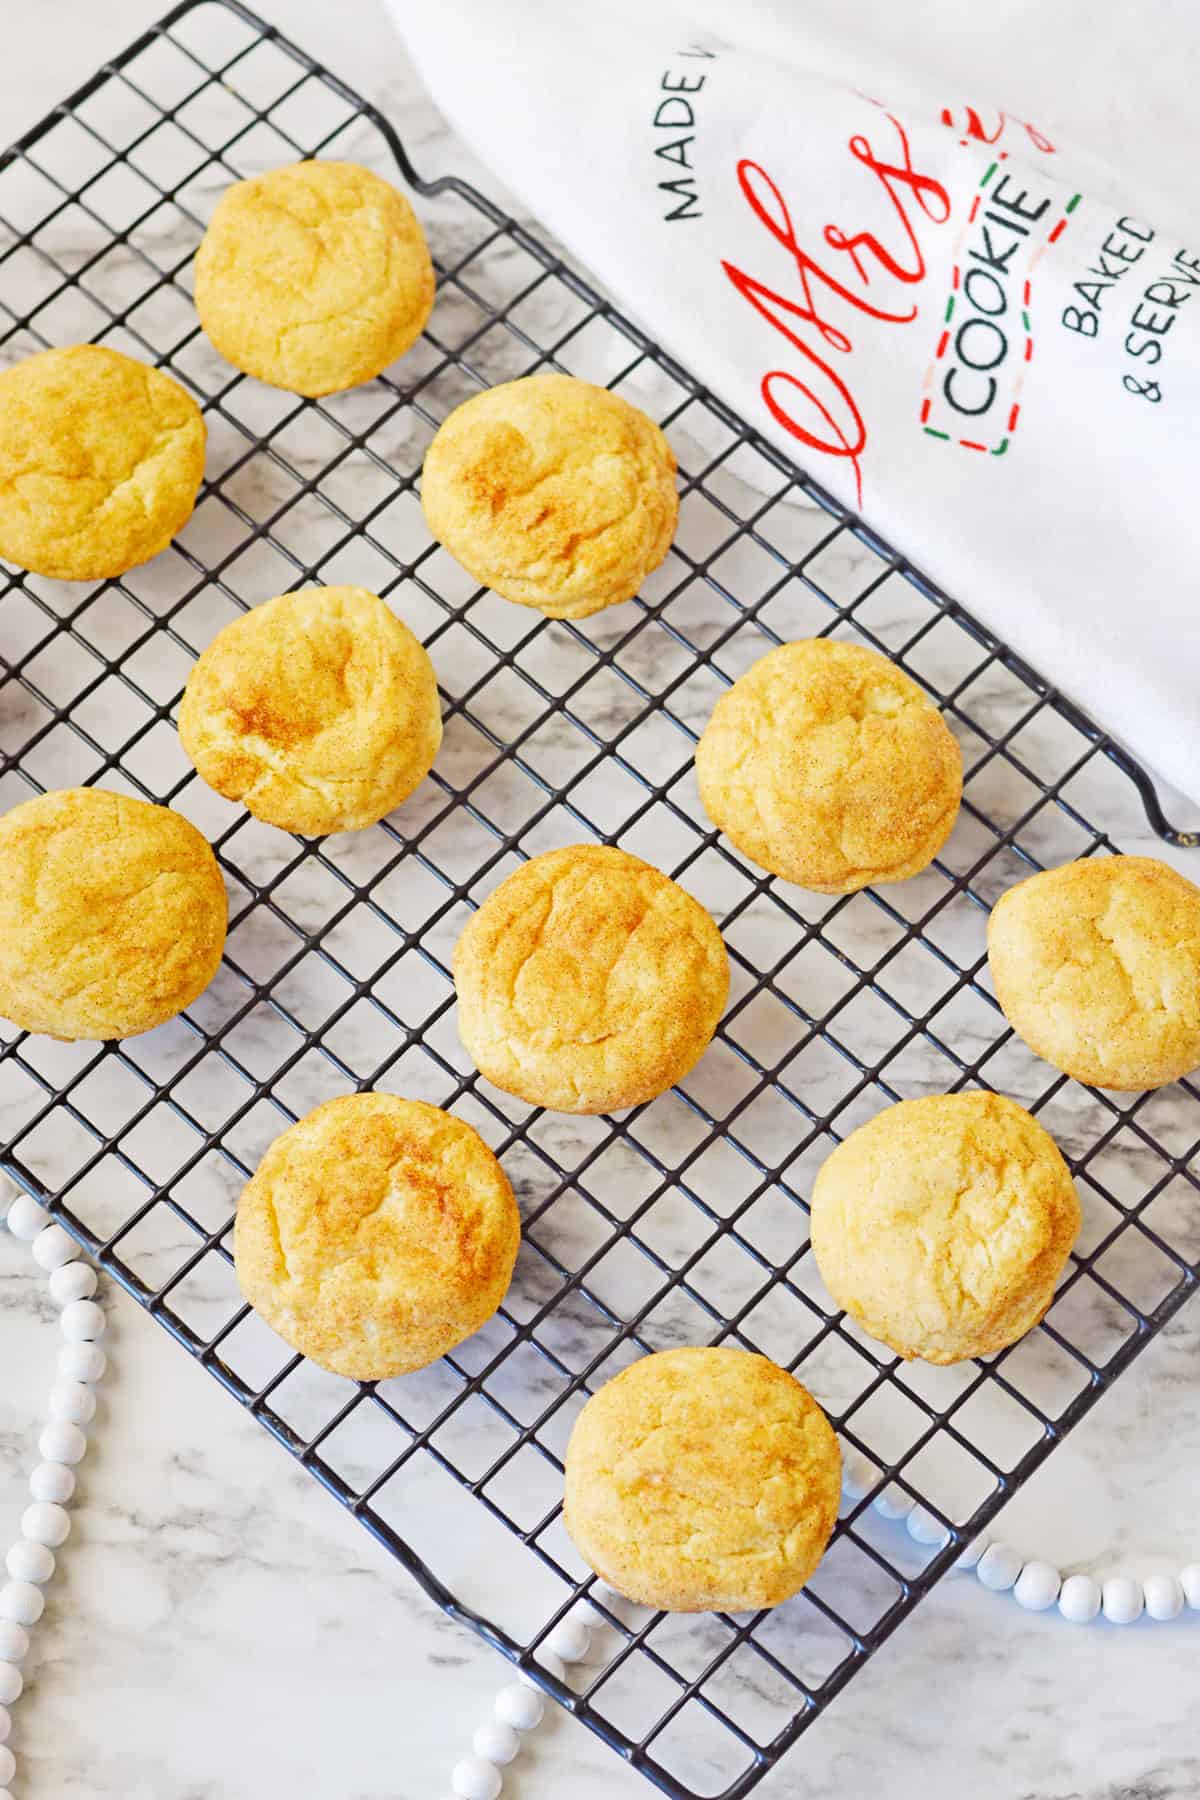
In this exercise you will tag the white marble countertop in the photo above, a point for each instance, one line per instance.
(220, 1627)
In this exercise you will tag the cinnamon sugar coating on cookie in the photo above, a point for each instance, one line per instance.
(702, 1479)
(376, 1234)
(552, 492)
(1097, 966)
(829, 766)
(314, 277)
(589, 981)
(943, 1224)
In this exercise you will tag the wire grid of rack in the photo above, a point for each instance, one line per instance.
(683, 1221)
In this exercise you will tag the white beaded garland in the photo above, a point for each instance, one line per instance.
(1189, 1581)
(72, 1400)
(998, 1567)
(553, 1665)
(923, 1528)
(893, 1503)
(1164, 1596)
(521, 1707)
(81, 1320)
(858, 1477)
(73, 1281)
(60, 1441)
(22, 1602)
(496, 1743)
(82, 1362)
(969, 1557)
(1079, 1600)
(52, 1481)
(1121, 1599)
(475, 1779)
(29, 1562)
(53, 1248)
(45, 1523)
(26, 1218)
(569, 1640)
(1037, 1586)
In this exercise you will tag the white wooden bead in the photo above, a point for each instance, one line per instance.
(1122, 1599)
(8, 1767)
(519, 1706)
(60, 1441)
(72, 1400)
(553, 1665)
(74, 1281)
(475, 1779)
(14, 1641)
(44, 1523)
(496, 1743)
(29, 1562)
(52, 1481)
(1079, 1601)
(1164, 1596)
(26, 1218)
(81, 1320)
(1036, 1587)
(967, 1558)
(858, 1477)
(53, 1247)
(893, 1503)
(569, 1640)
(5, 1724)
(923, 1528)
(21, 1601)
(1189, 1581)
(998, 1567)
(11, 1683)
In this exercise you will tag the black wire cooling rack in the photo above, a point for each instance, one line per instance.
(683, 1221)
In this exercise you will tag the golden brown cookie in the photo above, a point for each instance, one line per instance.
(1097, 967)
(829, 766)
(112, 914)
(376, 1234)
(589, 981)
(943, 1224)
(702, 1480)
(313, 277)
(553, 493)
(100, 460)
(318, 711)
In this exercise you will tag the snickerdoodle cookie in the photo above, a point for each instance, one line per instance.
(1097, 967)
(943, 1224)
(112, 914)
(376, 1234)
(702, 1479)
(829, 766)
(589, 981)
(318, 711)
(553, 493)
(100, 460)
(313, 277)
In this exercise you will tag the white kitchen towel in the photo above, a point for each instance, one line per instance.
(965, 332)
